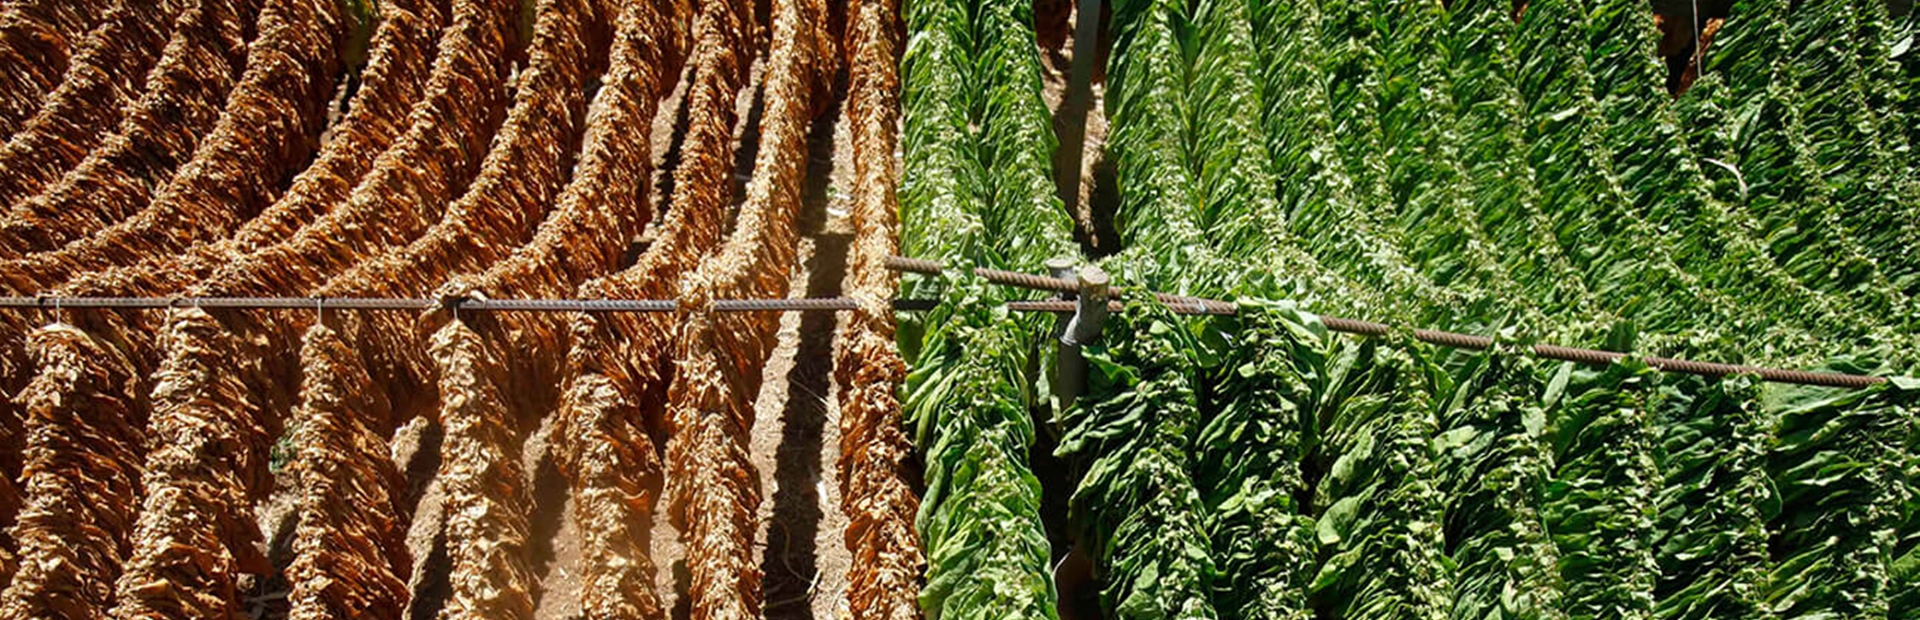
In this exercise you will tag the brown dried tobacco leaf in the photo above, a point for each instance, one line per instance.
(408, 186)
(108, 68)
(267, 134)
(600, 211)
(713, 488)
(350, 551)
(209, 40)
(195, 531)
(182, 101)
(399, 59)
(399, 53)
(619, 360)
(487, 509)
(523, 172)
(82, 479)
(35, 39)
(883, 581)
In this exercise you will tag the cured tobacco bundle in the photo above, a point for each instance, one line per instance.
(408, 185)
(598, 215)
(713, 491)
(617, 371)
(82, 479)
(1137, 505)
(1840, 499)
(182, 102)
(195, 531)
(129, 330)
(209, 38)
(400, 56)
(350, 552)
(268, 132)
(487, 508)
(524, 169)
(876, 493)
(1599, 504)
(108, 68)
(293, 63)
(1710, 518)
(400, 53)
(506, 379)
(36, 38)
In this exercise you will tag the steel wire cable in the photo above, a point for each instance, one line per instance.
(1179, 304)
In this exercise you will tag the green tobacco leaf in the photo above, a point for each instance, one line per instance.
(1248, 458)
(1376, 419)
(1137, 505)
(1836, 464)
(1599, 504)
(1711, 509)
(1493, 463)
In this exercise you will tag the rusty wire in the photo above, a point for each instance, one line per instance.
(1198, 306)
(1179, 304)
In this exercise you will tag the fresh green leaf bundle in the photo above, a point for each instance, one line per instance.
(1380, 516)
(1840, 499)
(1493, 460)
(1599, 505)
(1016, 140)
(1748, 113)
(987, 553)
(1428, 188)
(1248, 459)
(1505, 194)
(975, 193)
(1581, 192)
(1710, 537)
(1137, 504)
(1662, 176)
(1159, 217)
(1320, 199)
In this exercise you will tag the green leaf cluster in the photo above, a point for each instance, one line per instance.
(975, 192)
(1137, 506)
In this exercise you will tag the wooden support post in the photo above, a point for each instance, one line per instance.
(1090, 314)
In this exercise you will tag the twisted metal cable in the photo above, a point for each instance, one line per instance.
(1179, 304)
(1198, 306)
(828, 304)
